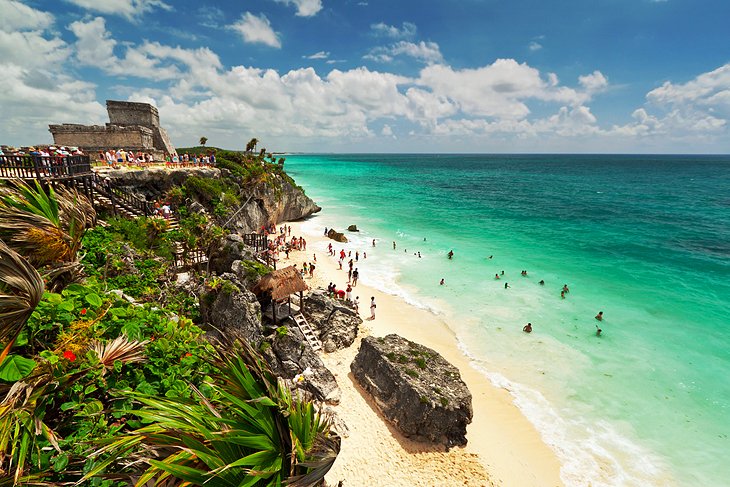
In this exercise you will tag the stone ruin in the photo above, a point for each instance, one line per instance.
(132, 126)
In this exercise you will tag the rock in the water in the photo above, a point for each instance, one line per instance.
(289, 355)
(337, 236)
(333, 321)
(415, 388)
(352, 228)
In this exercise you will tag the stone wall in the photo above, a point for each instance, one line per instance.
(134, 126)
(99, 137)
(132, 113)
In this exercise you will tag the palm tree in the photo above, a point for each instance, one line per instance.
(203, 140)
(250, 430)
(45, 226)
(251, 146)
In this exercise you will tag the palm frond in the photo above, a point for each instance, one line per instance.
(21, 289)
(46, 226)
(121, 348)
(251, 430)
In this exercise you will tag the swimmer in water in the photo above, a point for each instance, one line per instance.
(506, 285)
(565, 288)
(562, 294)
(442, 281)
(496, 276)
(450, 254)
(598, 331)
(527, 328)
(542, 283)
(599, 316)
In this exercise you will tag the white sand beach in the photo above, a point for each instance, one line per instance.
(503, 447)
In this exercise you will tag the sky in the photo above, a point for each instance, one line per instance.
(486, 76)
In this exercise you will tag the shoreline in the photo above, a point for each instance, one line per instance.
(503, 448)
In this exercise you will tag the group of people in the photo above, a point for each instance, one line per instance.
(190, 160)
(43, 151)
(120, 158)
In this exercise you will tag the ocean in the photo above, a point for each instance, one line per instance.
(645, 239)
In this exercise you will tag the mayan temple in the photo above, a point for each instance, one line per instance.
(132, 126)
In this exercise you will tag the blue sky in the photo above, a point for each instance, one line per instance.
(377, 76)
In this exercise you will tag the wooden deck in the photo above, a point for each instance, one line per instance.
(44, 167)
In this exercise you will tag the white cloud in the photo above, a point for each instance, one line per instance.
(594, 82)
(318, 55)
(426, 52)
(257, 29)
(498, 90)
(407, 31)
(387, 131)
(150, 60)
(20, 17)
(534, 46)
(305, 8)
(130, 9)
(699, 108)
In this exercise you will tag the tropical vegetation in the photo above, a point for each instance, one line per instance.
(106, 377)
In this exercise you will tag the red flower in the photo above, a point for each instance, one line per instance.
(188, 354)
(68, 354)
(83, 311)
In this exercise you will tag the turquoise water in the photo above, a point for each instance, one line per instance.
(645, 239)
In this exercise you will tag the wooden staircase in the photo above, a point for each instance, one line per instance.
(306, 330)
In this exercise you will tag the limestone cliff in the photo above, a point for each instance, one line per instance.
(260, 203)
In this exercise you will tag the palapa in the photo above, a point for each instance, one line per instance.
(281, 283)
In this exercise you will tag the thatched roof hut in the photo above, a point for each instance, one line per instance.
(281, 283)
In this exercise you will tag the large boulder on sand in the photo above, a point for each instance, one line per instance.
(337, 236)
(415, 388)
(336, 323)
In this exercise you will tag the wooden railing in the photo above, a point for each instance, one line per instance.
(43, 167)
(122, 198)
(256, 240)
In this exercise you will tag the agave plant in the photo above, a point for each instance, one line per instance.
(45, 226)
(253, 431)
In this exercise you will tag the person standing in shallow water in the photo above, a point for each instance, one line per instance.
(527, 328)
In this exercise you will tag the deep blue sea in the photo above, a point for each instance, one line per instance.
(645, 239)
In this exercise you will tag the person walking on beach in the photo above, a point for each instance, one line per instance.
(372, 308)
(325, 231)
(355, 275)
(527, 328)
(356, 303)
(349, 293)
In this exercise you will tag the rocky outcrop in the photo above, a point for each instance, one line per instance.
(229, 309)
(415, 388)
(337, 236)
(272, 203)
(291, 357)
(230, 249)
(155, 181)
(334, 322)
(263, 203)
(352, 228)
